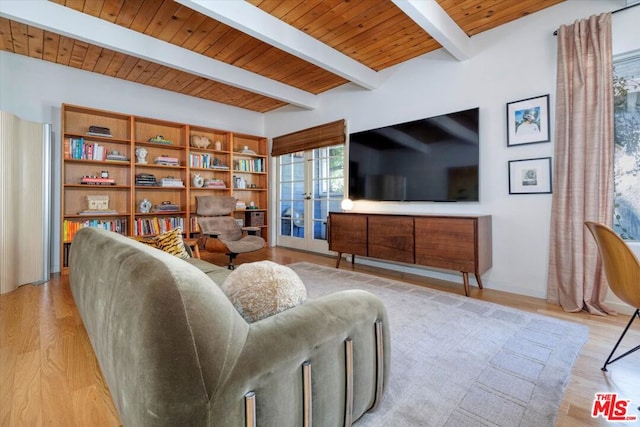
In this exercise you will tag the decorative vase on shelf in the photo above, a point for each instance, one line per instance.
(198, 181)
(217, 146)
(145, 206)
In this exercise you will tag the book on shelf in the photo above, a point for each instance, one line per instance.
(195, 227)
(145, 179)
(92, 180)
(155, 225)
(166, 161)
(206, 161)
(249, 165)
(79, 149)
(100, 130)
(166, 207)
(70, 228)
(106, 135)
(215, 183)
(171, 182)
(98, 212)
(117, 157)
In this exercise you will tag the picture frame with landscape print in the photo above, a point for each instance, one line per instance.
(528, 121)
(530, 176)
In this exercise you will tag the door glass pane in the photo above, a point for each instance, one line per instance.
(327, 186)
(291, 204)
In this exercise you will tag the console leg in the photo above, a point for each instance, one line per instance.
(479, 280)
(353, 259)
(338, 260)
(465, 280)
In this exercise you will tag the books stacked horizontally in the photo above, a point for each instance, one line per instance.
(240, 205)
(166, 161)
(98, 212)
(100, 131)
(145, 179)
(215, 183)
(166, 207)
(117, 156)
(94, 180)
(171, 182)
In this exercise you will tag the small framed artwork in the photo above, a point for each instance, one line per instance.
(530, 176)
(528, 121)
(240, 222)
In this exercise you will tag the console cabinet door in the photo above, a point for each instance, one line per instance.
(348, 233)
(391, 238)
(448, 243)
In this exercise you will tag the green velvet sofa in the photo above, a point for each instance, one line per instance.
(175, 352)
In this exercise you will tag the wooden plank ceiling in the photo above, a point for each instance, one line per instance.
(375, 33)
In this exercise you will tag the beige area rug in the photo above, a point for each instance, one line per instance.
(458, 361)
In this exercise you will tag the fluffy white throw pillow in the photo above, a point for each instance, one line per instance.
(262, 289)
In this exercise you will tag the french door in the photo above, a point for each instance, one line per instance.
(310, 185)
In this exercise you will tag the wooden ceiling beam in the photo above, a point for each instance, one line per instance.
(251, 20)
(435, 21)
(88, 29)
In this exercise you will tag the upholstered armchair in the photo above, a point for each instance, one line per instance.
(221, 232)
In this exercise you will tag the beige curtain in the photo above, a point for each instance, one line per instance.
(583, 165)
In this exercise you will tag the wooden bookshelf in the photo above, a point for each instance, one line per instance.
(219, 164)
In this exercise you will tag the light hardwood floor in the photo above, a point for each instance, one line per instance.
(49, 375)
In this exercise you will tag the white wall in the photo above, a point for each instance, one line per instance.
(513, 62)
(35, 90)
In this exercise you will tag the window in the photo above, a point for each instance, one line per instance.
(626, 84)
(329, 169)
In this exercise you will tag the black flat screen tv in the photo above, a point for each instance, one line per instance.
(434, 159)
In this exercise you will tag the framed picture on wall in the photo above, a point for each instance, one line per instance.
(528, 121)
(530, 176)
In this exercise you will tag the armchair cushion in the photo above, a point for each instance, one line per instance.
(215, 206)
(262, 289)
(223, 227)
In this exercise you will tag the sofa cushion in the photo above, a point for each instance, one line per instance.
(216, 273)
(170, 242)
(261, 289)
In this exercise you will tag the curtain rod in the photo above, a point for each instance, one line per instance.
(555, 33)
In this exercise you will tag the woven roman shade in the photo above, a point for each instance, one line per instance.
(318, 136)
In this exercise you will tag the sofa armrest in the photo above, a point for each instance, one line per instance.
(270, 363)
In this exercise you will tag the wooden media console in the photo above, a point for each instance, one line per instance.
(461, 243)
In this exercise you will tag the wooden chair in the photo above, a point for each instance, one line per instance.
(622, 269)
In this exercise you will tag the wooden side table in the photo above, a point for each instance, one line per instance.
(193, 244)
